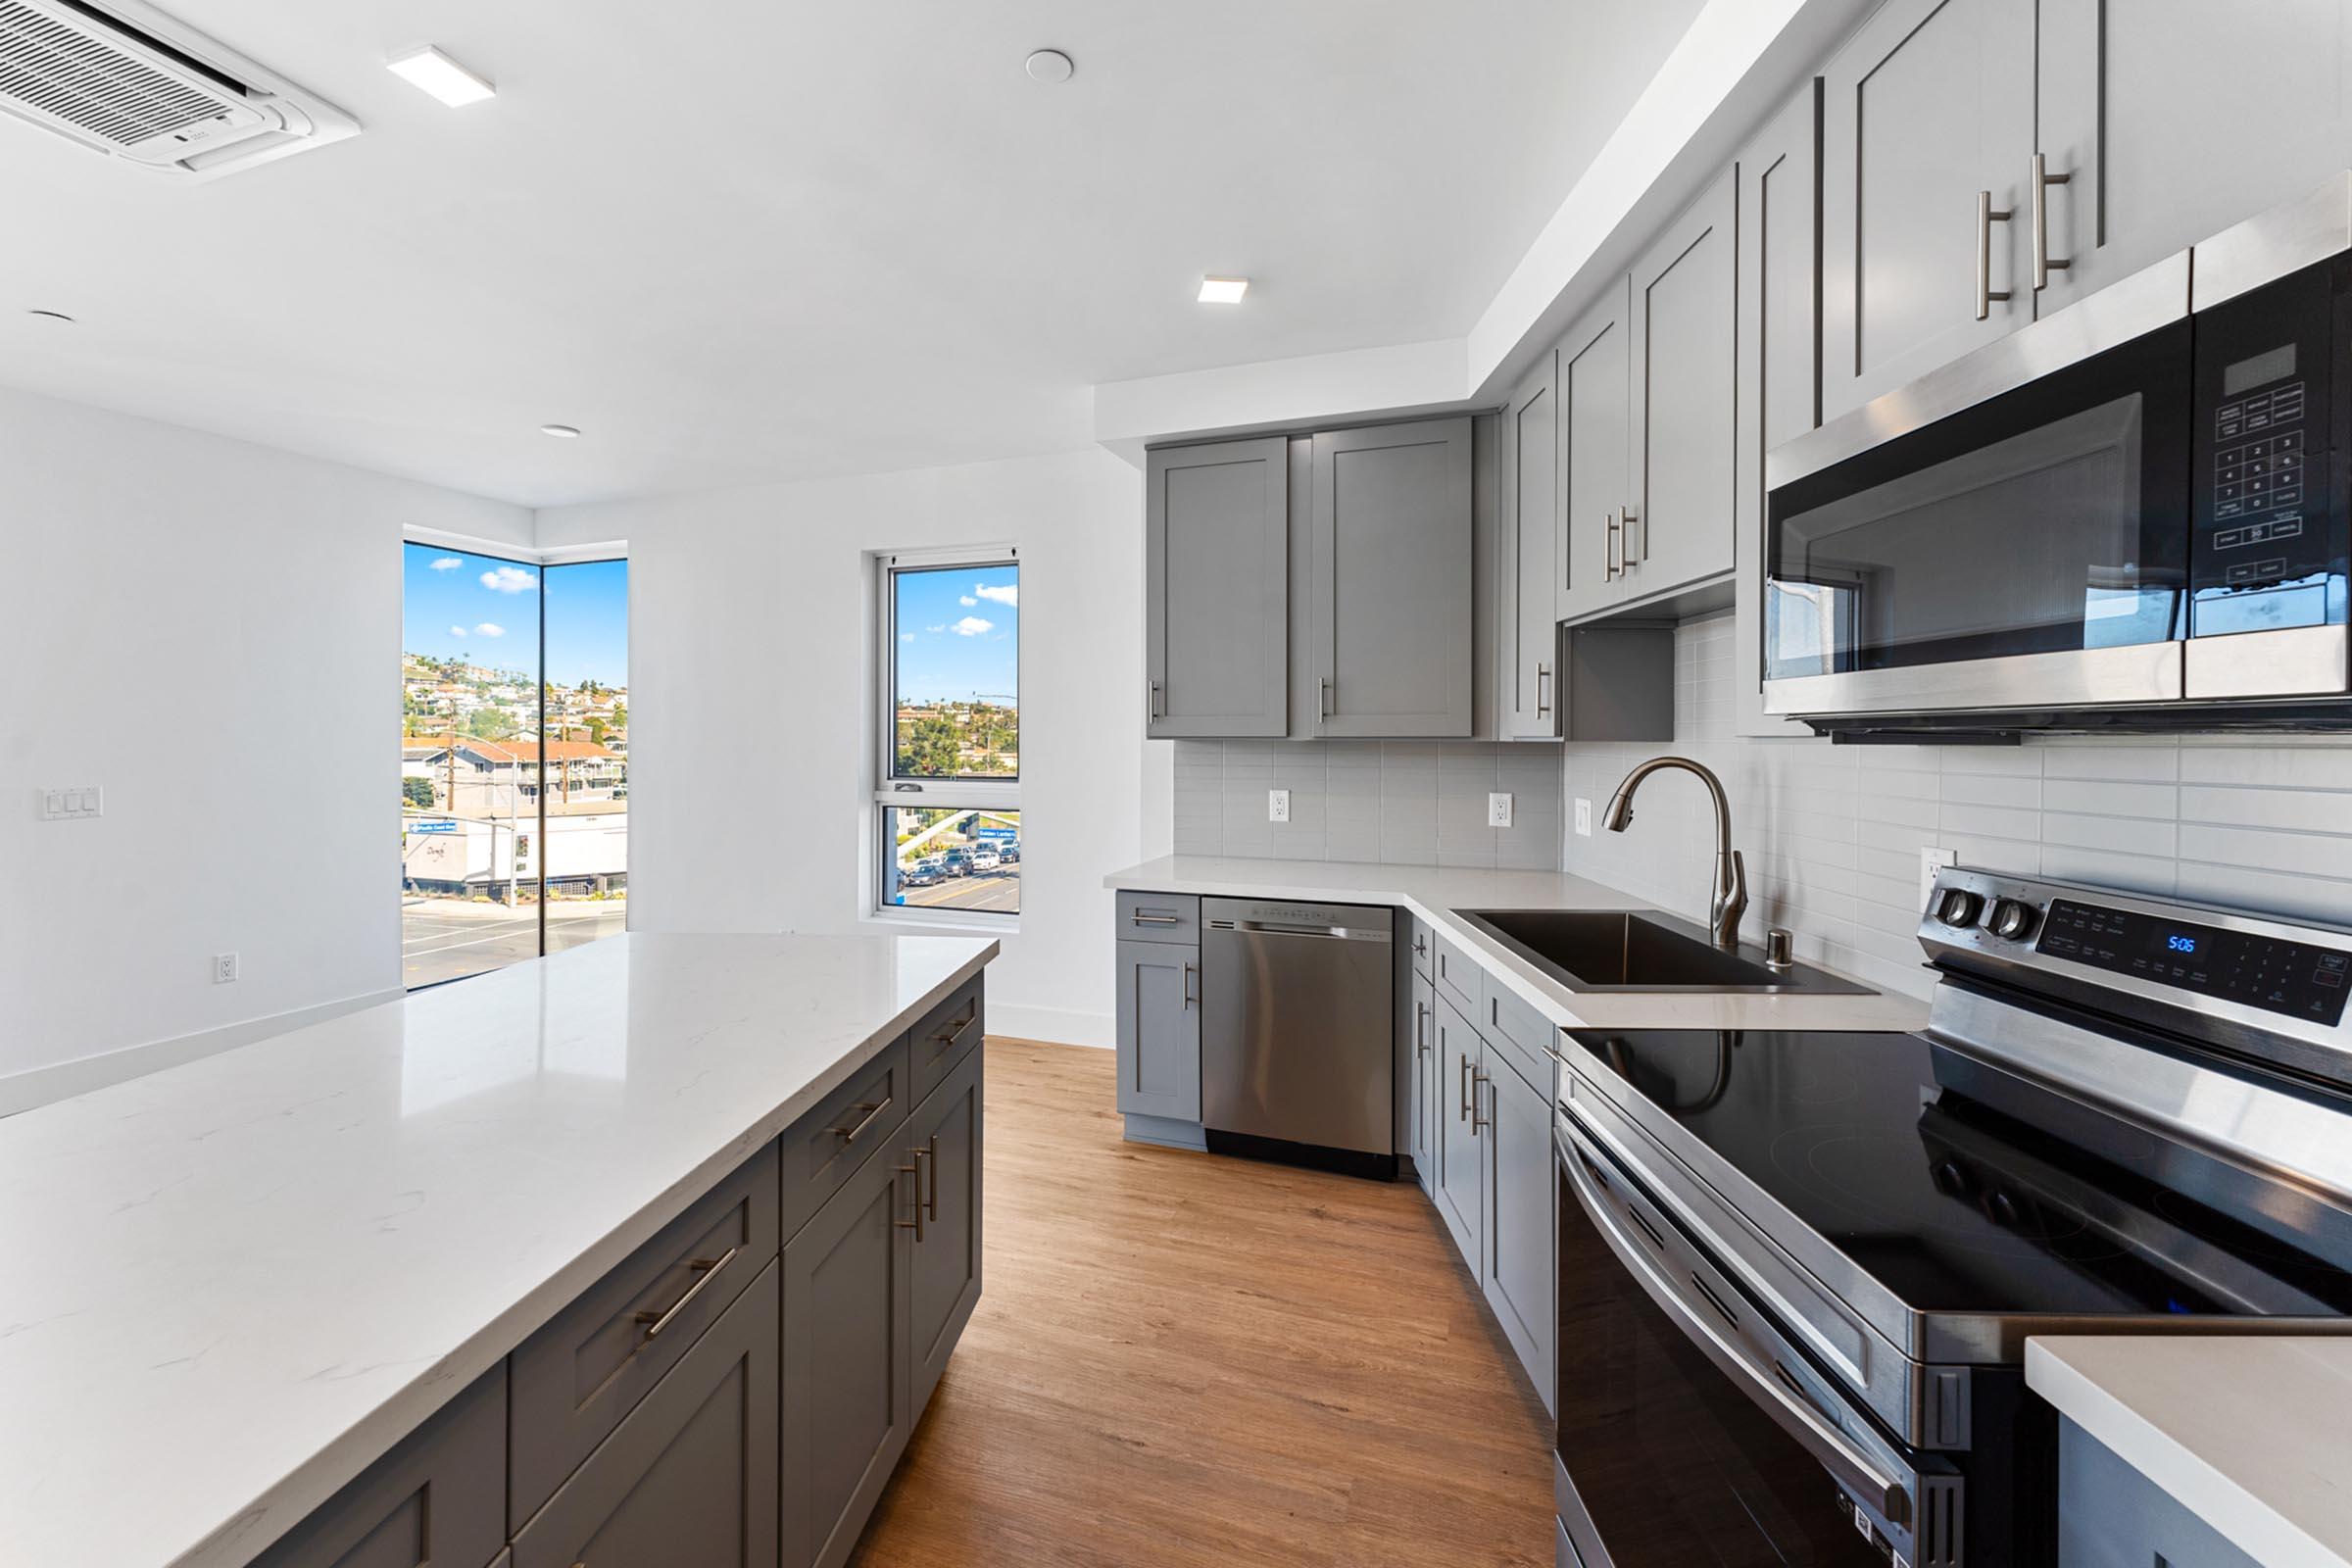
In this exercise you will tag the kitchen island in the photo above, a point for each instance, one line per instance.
(234, 1286)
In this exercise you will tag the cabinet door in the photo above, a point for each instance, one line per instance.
(1420, 1033)
(945, 1274)
(688, 1478)
(1930, 103)
(1685, 301)
(1533, 437)
(1393, 583)
(847, 1403)
(1160, 1030)
(1216, 596)
(1779, 359)
(1427, 1075)
(1516, 1271)
(1596, 401)
(2174, 118)
(1459, 1177)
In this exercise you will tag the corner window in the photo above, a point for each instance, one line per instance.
(950, 724)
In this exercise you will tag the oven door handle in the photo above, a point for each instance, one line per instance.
(1831, 1448)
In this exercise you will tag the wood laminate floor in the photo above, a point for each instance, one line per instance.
(1182, 1358)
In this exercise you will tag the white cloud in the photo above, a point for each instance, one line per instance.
(510, 580)
(448, 563)
(490, 629)
(1006, 593)
(972, 627)
(905, 636)
(457, 631)
(935, 630)
(967, 601)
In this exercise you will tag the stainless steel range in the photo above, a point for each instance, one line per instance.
(1798, 1270)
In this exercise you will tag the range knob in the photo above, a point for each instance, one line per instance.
(2013, 922)
(1958, 906)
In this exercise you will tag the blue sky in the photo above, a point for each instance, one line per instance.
(958, 631)
(453, 602)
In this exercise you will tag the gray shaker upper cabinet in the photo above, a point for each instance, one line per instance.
(1685, 304)
(1927, 149)
(1392, 588)
(1216, 528)
(1596, 403)
(2170, 119)
(1779, 358)
(1534, 436)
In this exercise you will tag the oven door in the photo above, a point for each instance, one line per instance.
(2026, 549)
(1690, 1427)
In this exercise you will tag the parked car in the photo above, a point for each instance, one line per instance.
(985, 857)
(921, 873)
(958, 861)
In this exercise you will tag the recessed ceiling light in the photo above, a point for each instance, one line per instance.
(1050, 66)
(1223, 290)
(52, 316)
(434, 72)
(562, 432)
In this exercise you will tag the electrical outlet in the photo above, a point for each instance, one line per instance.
(63, 804)
(1498, 809)
(1584, 816)
(1278, 805)
(225, 969)
(1931, 860)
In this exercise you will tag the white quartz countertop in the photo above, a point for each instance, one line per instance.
(227, 1287)
(1435, 893)
(2251, 1433)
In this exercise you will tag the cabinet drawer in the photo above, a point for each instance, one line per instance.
(1423, 943)
(1521, 1033)
(1159, 917)
(689, 1478)
(437, 1499)
(823, 1148)
(577, 1378)
(1458, 978)
(938, 1043)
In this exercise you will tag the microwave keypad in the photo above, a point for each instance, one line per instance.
(2262, 474)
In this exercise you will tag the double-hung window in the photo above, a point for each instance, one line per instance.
(948, 768)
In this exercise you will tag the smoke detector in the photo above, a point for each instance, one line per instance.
(128, 82)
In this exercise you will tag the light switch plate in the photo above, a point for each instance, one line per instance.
(78, 801)
(1278, 805)
(1498, 809)
(1931, 860)
(1584, 816)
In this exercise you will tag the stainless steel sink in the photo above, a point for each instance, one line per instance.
(1620, 949)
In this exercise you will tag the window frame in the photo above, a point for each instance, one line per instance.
(886, 789)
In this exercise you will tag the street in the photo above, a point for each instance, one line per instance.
(443, 938)
(998, 892)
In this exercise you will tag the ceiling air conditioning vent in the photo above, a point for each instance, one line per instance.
(128, 82)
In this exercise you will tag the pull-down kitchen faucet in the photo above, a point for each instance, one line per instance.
(1730, 873)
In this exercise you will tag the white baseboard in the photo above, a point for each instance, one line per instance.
(1063, 1026)
(60, 1080)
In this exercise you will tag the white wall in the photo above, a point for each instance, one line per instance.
(1832, 834)
(749, 702)
(207, 630)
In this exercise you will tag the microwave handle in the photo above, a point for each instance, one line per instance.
(1856, 1470)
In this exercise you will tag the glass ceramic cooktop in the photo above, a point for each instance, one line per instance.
(1874, 1141)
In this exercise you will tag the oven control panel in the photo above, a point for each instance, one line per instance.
(2299, 979)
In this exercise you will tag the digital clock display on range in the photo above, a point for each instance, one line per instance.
(2297, 979)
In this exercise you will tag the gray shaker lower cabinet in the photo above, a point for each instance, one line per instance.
(1459, 1178)
(945, 1274)
(1422, 1014)
(2112, 1516)
(1516, 1268)
(688, 1478)
(847, 1373)
(437, 1500)
(1160, 1030)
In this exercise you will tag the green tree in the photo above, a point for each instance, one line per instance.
(596, 729)
(928, 747)
(492, 724)
(417, 792)
(621, 716)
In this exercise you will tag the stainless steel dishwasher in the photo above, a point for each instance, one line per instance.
(1298, 1033)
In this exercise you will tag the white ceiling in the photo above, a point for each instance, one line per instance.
(738, 240)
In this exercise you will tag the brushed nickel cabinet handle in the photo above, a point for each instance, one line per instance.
(915, 1171)
(1323, 708)
(948, 1037)
(1190, 971)
(1542, 682)
(705, 1270)
(1421, 1028)
(1464, 1097)
(2044, 264)
(849, 1134)
(1140, 919)
(1986, 216)
(931, 1202)
(1612, 554)
(1420, 942)
(1626, 558)
(1476, 1120)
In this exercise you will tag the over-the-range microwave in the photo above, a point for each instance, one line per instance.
(2132, 514)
